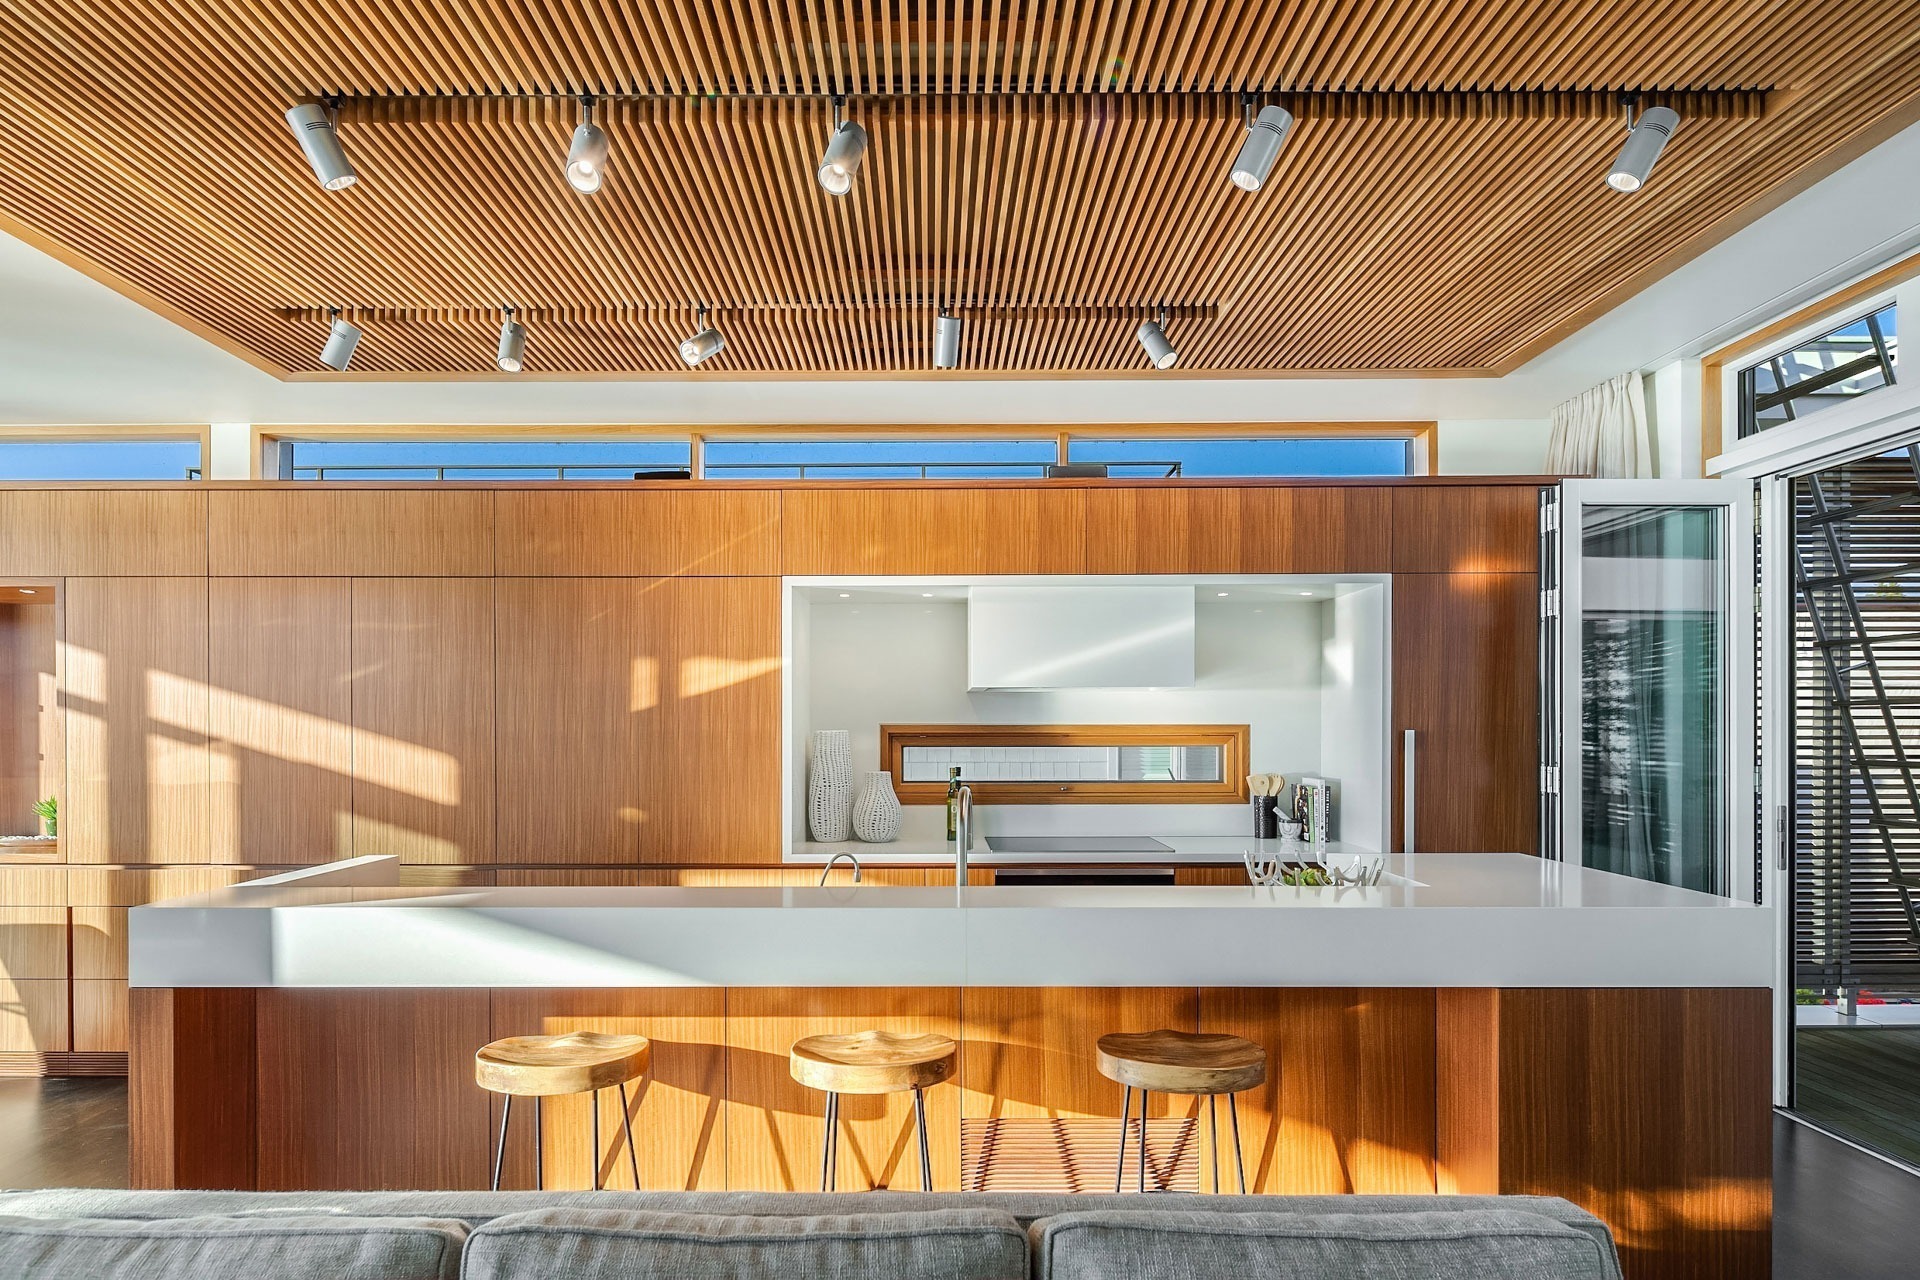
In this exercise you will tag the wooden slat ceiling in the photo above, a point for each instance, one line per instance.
(1052, 169)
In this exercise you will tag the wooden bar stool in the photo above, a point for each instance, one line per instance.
(1183, 1063)
(549, 1066)
(869, 1062)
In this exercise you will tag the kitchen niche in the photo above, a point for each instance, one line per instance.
(1301, 662)
(31, 755)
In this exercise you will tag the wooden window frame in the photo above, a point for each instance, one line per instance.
(1230, 738)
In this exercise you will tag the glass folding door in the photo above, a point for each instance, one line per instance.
(1651, 654)
(1855, 799)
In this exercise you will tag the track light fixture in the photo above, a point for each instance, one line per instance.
(513, 344)
(946, 340)
(1153, 336)
(1266, 134)
(1646, 138)
(846, 145)
(587, 157)
(705, 344)
(342, 337)
(313, 125)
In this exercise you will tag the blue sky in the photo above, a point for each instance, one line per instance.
(745, 459)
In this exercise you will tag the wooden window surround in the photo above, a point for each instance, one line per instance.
(1231, 739)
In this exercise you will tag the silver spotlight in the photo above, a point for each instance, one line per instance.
(342, 337)
(513, 344)
(946, 340)
(1646, 138)
(1266, 134)
(312, 124)
(1153, 336)
(705, 344)
(587, 157)
(846, 145)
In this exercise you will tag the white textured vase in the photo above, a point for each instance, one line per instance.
(830, 786)
(876, 814)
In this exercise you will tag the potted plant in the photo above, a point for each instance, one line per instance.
(49, 811)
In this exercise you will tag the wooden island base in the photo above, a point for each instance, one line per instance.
(1651, 1108)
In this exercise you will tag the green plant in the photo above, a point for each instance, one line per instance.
(49, 812)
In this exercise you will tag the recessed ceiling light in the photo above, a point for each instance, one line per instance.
(846, 595)
(1306, 593)
(26, 591)
(1219, 593)
(926, 595)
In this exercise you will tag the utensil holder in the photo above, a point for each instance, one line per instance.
(1266, 817)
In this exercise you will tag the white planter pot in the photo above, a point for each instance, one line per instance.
(876, 814)
(830, 786)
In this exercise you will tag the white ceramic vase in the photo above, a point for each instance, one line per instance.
(830, 786)
(876, 814)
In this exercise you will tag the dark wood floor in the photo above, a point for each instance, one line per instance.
(1838, 1214)
(1864, 1082)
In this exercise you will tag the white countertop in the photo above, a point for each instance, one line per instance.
(1464, 919)
(1182, 849)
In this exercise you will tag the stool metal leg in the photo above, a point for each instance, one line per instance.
(626, 1119)
(1239, 1164)
(920, 1122)
(500, 1152)
(1120, 1166)
(1144, 1095)
(539, 1164)
(593, 1104)
(1213, 1126)
(827, 1142)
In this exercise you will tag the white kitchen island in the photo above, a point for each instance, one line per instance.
(1477, 1022)
(1437, 920)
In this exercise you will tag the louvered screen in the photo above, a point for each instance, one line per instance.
(1857, 725)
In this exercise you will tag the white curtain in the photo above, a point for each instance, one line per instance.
(1603, 432)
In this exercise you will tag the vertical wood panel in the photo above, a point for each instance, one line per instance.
(100, 1017)
(279, 658)
(99, 942)
(1030, 1051)
(372, 1089)
(1466, 680)
(1466, 529)
(1467, 1091)
(1348, 1105)
(192, 1094)
(639, 719)
(52, 533)
(347, 531)
(138, 759)
(1266, 529)
(423, 728)
(33, 1015)
(775, 1125)
(678, 1116)
(33, 942)
(830, 531)
(642, 533)
(1652, 1110)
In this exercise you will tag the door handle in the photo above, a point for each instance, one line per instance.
(1408, 754)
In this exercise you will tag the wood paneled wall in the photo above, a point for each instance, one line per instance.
(549, 677)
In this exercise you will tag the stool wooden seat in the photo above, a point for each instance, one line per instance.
(1181, 1062)
(872, 1062)
(540, 1067)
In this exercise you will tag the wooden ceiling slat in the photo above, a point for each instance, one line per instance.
(1438, 207)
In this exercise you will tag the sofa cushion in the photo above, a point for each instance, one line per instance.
(1485, 1244)
(293, 1247)
(587, 1244)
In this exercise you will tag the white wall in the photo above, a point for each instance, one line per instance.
(1257, 664)
(1490, 446)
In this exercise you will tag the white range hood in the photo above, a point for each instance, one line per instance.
(1080, 637)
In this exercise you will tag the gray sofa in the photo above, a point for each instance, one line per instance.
(556, 1235)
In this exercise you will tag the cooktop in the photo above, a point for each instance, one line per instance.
(1076, 844)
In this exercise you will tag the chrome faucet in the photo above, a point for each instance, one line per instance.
(962, 833)
(831, 862)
